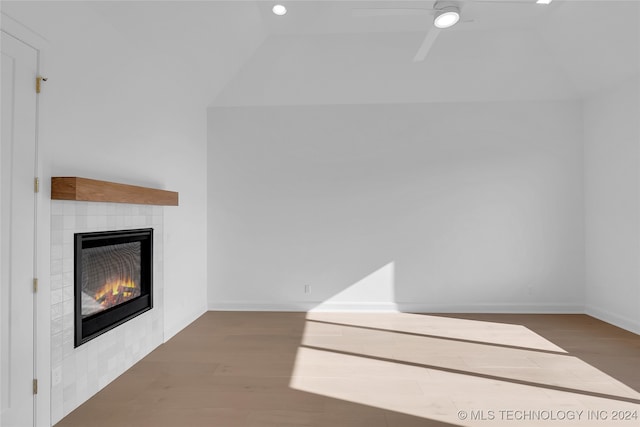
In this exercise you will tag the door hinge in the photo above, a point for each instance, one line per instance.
(35, 386)
(39, 80)
(36, 185)
(35, 285)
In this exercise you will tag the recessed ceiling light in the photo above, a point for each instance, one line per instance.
(279, 9)
(544, 1)
(447, 17)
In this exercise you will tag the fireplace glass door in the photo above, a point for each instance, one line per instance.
(113, 280)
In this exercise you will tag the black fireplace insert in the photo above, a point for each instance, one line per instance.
(113, 280)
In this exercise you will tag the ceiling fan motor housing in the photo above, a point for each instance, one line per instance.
(440, 6)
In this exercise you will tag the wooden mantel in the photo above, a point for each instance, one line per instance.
(92, 190)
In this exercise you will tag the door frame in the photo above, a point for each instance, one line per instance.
(42, 255)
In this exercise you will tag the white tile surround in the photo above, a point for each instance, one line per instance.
(79, 373)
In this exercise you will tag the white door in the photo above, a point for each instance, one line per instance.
(17, 232)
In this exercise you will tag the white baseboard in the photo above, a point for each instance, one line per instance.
(318, 306)
(384, 307)
(491, 308)
(615, 319)
(302, 306)
(259, 306)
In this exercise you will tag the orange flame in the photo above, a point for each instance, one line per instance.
(116, 292)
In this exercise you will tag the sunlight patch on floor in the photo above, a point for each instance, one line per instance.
(466, 366)
(445, 327)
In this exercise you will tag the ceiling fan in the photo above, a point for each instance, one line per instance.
(446, 14)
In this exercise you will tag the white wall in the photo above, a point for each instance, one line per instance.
(455, 206)
(113, 110)
(612, 204)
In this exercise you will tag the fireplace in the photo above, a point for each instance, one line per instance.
(113, 280)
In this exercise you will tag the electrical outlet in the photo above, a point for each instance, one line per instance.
(307, 289)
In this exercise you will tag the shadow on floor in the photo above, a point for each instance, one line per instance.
(232, 369)
(608, 348)
(227, 369)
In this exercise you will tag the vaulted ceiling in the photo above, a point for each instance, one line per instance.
(330, 52)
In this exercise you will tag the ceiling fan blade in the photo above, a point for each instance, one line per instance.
(523, 2)
(364, 12)
(431, 37)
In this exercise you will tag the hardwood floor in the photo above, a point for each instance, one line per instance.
(251, 369)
